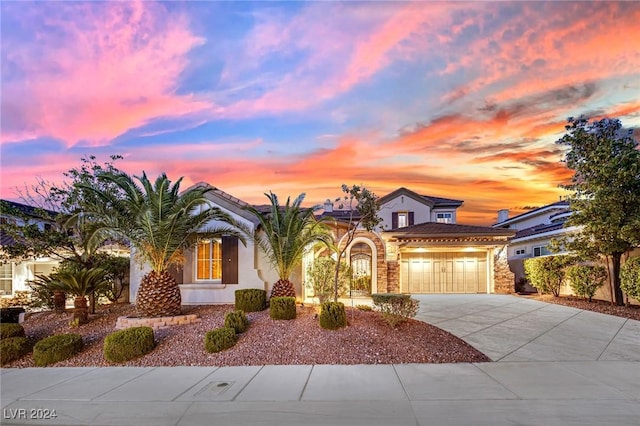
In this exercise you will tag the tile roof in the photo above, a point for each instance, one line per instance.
(559, 204)
(27, 209)
(436, 201)
(439, 201)
(539, 229)
(448, 229)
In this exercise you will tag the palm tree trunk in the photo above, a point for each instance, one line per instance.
(80, 310)
(283, 288)
(158, 295)
(59, 301)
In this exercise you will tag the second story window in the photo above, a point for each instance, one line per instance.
(402, 219)
(444, 217)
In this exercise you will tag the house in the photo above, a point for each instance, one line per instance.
(418, 248)
(14, 275)
(534, 231)
(217, 267)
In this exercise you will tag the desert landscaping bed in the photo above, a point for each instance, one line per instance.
(366, 340)
(601, 306)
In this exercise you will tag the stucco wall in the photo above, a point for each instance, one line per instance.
(422, 212)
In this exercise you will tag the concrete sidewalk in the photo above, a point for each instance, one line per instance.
(557, 366)
(510, 328)
(505, 393)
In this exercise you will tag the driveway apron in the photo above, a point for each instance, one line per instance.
(511, 328)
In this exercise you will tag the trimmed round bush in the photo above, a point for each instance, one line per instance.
(585, 280)
(130, 343)
(13, 348)
(251, 299)
(220, 339)
(10, 329)
(56, 348)
(236, 320)
(282, 308)
(333, 315)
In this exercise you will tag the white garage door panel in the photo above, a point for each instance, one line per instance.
(444, 272)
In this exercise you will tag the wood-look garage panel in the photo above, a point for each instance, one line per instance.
(448, 272)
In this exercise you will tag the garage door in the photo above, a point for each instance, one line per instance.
(443, 272)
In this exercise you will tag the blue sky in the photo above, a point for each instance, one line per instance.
(454, 99)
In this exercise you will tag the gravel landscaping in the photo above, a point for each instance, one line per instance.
(604, 307)
(366, 340)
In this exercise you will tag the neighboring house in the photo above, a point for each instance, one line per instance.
(15, 275)
(418, 248)
(534, 231)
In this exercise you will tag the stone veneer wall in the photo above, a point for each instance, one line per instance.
(504, 279)
(381, 263)
(156, 323)
(393, 276)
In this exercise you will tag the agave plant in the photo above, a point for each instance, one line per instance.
(286, 231)
(160, 223)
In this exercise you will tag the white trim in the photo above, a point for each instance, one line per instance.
(195, 261)
(544, 235)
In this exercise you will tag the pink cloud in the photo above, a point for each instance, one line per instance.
(107, 68)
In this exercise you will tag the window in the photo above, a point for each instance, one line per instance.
(6, 278)
(402, 219)
(540, 251)
(444, 217)
(209, 260)
(521, 251)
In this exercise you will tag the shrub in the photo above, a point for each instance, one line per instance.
(321, 275)
(282, 308)
(395, 308)
(521, 284)
(332, 315)
(586, 279)
(251, 299)
(13, 348)
(10, 329)
(630, 277)
(364, 308)
(547, 273)
(220, 339)
(236, 320)
(130, 343)
(56, 348)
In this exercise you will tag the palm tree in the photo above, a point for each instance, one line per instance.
(79, 283)
(160, 223)
(286, 232)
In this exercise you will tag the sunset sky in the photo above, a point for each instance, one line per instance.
(451, 99)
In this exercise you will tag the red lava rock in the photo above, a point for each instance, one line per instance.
(366, 340)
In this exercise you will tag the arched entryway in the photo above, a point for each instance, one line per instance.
(361, 262)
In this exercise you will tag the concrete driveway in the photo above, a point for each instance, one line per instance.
(511, 328)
